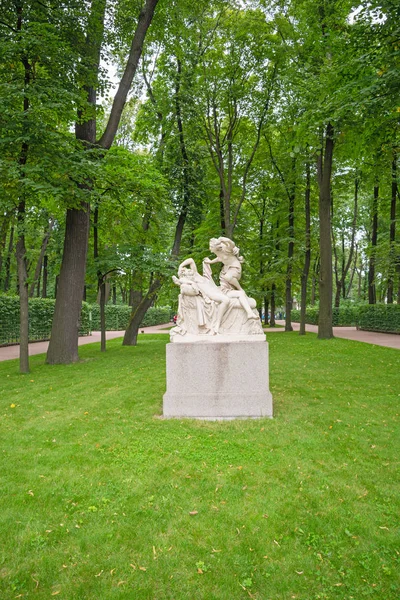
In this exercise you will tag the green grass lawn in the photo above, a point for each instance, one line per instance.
(102, 499)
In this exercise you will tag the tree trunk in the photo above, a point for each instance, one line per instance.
(131, 333)
(341, 283)
(45, 276)
(272, 322)
(374, 241)
(392, 234)
(289, 298)
(7, 265)
(40, 259)
(63, 346)
(314, 281)
(325, 330)
(23, 293)
(266, 310)
(185, 164)
(102, 315)
(307, 258)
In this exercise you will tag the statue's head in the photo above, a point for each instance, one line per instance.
(223, 244)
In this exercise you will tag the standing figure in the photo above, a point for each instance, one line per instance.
(227, 253)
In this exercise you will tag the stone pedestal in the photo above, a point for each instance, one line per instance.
(218, 381)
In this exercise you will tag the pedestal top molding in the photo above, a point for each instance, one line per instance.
(212, 313)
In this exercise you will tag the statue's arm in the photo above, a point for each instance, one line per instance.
(188, 262)
(210, 261)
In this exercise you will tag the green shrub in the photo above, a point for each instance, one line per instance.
(380, 317)
(41, 312)
(344, 316)
(118, 315)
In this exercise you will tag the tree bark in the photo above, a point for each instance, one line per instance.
(7, 262)
(307, 258)
(272, 322)
(23, 293)
(63, 346)
(45, 276)
(374, 241)
(325, 330)
(392, 233)
(41, 257)
(341, 282)
(131, 333)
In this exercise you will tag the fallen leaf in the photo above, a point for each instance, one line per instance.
(194, 512)
(12, 405)
(299, 572)
(31, 493)
(200, 571)
(98, 574)
(55, 593)
(143, 568)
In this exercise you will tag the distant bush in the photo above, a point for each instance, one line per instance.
(380, 317)
(370, 317)
(41, 312)
(118, 315)
(344, 316)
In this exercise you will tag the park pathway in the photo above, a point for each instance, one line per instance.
(389, 340)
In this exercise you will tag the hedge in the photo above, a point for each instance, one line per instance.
(344, 316)
(118, 315)
(41, 315)
(40, 319)
(380, 317)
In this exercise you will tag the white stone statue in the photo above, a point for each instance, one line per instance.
(207, 312)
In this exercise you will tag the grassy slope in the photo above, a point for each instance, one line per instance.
(97, 491)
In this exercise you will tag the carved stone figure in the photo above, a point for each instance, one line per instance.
(208, 311)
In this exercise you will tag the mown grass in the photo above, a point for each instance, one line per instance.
(102, 499)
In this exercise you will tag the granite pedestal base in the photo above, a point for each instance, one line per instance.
(210, 381)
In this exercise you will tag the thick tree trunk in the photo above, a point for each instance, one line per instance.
(325, 330)
(374, 241)
(307, 258)
(63, 346)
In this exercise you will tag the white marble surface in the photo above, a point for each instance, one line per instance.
(228, 380)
